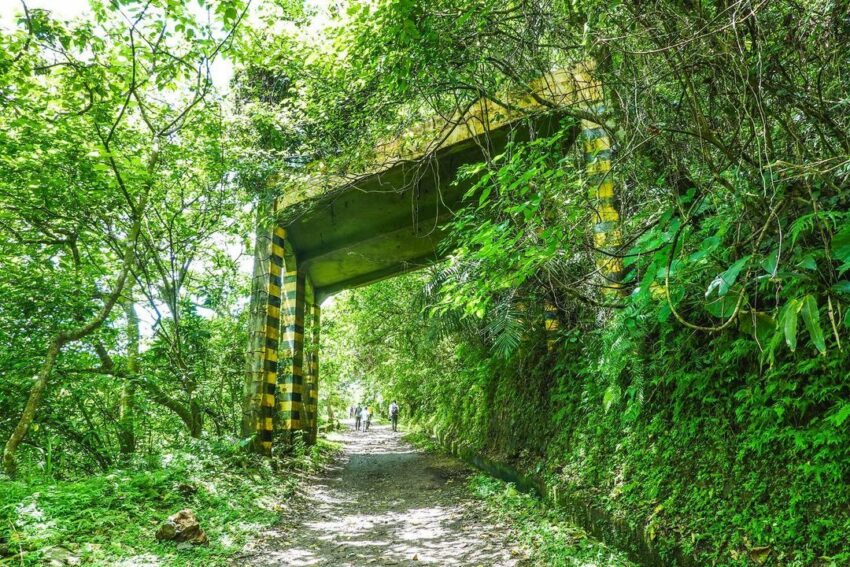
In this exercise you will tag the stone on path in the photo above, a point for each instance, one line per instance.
(182, 527)
(58, 556)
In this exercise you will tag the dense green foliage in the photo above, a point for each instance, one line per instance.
(707, 403)
(106, 517)
(683, 434)
(114, 181)
(124, 210)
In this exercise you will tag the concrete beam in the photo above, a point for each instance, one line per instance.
(371, 277)
(385, 222)
(350, 231)
(561, 88)
(375, 254)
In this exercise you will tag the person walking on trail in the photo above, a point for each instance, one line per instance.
(367, 417)
(394, 415)
(358, 415)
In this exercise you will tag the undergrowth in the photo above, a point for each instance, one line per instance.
(545, 534)
(111, 519)
(710, 450)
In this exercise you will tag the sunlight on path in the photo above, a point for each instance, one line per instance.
(386, 504)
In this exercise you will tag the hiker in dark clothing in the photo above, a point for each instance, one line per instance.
(358, 414)
(394, 415)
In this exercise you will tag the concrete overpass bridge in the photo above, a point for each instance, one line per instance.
(329, 234)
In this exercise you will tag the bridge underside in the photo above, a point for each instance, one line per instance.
(393, 221)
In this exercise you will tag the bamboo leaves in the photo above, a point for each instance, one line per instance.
(789, 323)
(807, 307)
(841, 248)
(811, 317)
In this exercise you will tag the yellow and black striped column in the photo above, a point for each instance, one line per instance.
(550, 321)
(601, 184)
(291, 365)
(261, 382)
(607, 237)
(313, 393)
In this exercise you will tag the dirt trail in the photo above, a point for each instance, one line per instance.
(386, 503)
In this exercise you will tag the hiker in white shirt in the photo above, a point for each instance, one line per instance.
(367, 418)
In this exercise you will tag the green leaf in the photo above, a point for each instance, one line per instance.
(811, 317)
(727, 279)
(676, 295)
(789, 324)
(485, 194)
(707, 246)
(769, 263)
(839, 417)
(808, 263)
(722, 306)
(841, 248)
(611, 396)
(760, 325)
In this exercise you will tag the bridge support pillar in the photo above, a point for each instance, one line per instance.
(262, 359)
(311, 381)
(598, 153)
(607, 238)
(291, 415)
(550, 320)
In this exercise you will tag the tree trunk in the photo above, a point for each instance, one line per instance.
(331, 414)
(126, 416)
(190, 414)
(64, 337)
(36, 393)
(197, 417)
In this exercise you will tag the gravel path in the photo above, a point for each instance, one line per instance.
(386, 503)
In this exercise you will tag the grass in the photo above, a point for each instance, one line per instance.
(111, 518)
(544, 533)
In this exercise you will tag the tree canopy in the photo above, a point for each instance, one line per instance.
(701, 392)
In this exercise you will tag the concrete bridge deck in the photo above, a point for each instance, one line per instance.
(352, 232)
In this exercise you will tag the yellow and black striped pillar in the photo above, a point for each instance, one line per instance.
(550, 321)
(607, 238)
(601, 184)
(291, 364)
(261, 382)
(311, 382)
(314, 369)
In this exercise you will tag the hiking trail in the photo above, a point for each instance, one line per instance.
(385, 502)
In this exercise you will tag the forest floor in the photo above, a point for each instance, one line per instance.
(377, 501)
(387, 503)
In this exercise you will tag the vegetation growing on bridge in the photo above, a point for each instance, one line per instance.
(696, 377)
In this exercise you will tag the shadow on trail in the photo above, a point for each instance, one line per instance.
(386, 504)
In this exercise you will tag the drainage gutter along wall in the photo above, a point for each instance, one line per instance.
(598, 522)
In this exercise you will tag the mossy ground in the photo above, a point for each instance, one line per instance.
(111, 518)
(545, 534)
